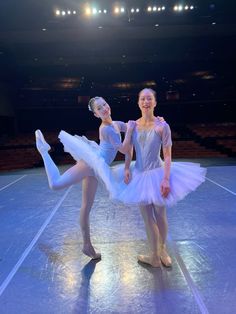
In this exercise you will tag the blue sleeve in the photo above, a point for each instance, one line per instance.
(166, 136)
(122, 126)
(111, 136)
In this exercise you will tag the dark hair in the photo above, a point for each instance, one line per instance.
(91, 103)
(150, 90)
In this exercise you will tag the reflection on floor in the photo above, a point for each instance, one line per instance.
(44, 271)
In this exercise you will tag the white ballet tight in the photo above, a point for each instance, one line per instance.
(77, 173)
(156, 227)
(72, 176)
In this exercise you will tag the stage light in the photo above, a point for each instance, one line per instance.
(154, 8)
(87, 11)
(149, 9)
(94, 11)
(186, 7)
(163, 8)
(176, 8)
(132, 10)
(117, 10)
(137, 10)
(105, 11)
(191, 7)
(180, 8)
(122, 10)
(68, 12)
(159, 9)
(58, 12)
(74, 12)
(99, 11)
(63, 13)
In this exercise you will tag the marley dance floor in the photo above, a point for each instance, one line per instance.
(42, 269)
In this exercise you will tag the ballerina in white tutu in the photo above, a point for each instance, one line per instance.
(155, 184)
(97, 157)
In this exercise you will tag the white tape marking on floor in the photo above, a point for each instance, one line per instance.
(6, 186)
(31, 245)
(221, 186)
(197, 295)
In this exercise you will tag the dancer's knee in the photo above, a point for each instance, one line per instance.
(55, 186)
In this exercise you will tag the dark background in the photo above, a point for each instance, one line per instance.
(50, 66)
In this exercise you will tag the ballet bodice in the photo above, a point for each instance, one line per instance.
(110, 140)
(147, 144)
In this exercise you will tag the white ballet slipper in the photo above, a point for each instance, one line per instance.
(41, 144)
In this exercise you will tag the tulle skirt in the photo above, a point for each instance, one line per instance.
(89, 151)
(144, 187)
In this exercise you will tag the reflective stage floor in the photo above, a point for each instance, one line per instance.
(42, 268)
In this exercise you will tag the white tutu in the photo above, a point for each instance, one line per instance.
(81, 148)
(144, 187)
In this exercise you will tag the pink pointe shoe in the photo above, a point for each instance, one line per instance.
(41, 144)
(165, 258)
(150, 260)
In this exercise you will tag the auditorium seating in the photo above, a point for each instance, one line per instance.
(191, 141)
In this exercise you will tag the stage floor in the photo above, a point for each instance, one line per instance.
(42, 268)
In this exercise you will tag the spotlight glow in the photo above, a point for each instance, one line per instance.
(154, 8)
(94, 11)
(149, 9)
(122, 10)
(74, 12)
(191, 7)
(69, 12)
(87, 11)
(137, 10)
(117, 10)
(163, 8)
(105, 11)
(58, 12)
(132, 10)
(63, 13)
(186, 7)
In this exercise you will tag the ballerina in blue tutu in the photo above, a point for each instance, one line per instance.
(93, 162)
(155, 184)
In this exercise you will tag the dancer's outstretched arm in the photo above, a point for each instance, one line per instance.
(125, 146)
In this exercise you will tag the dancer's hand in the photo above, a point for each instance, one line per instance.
(130, 125)
(165, 187)
(127, 176)
(160, 119)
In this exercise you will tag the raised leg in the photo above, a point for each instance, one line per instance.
(57, 181)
